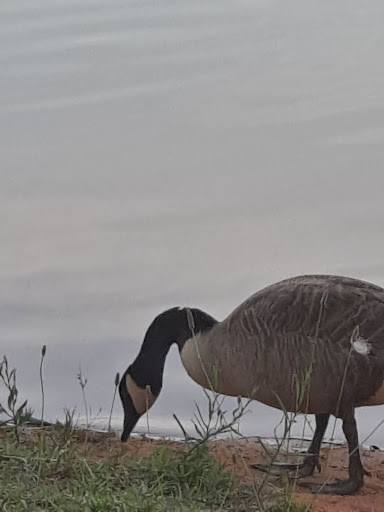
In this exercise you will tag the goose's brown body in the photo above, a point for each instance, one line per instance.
(267, 346)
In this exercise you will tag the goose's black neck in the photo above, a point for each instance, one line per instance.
(175, 325)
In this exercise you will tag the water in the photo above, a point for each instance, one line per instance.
(178, 153)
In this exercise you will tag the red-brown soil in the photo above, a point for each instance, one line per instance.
(238, 455)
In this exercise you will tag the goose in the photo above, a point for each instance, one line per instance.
(327, 327)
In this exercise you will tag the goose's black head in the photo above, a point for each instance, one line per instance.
(142, 382)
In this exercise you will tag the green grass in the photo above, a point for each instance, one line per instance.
(49, 474)
(53, 469)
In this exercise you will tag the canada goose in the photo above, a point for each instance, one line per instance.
(328, 327)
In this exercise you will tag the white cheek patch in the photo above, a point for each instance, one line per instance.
(142, 399)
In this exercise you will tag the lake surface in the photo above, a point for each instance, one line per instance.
(178, 153)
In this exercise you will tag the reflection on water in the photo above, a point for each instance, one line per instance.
(182, 153)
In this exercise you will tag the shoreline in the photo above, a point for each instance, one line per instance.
(237, 456)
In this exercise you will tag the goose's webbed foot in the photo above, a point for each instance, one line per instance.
(306, 468)
(355, 470)
(338, 487)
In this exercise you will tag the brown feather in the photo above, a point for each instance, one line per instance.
(298, 327)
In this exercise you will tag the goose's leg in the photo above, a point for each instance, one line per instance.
(312, 458)
(355, 470)
(311, 461)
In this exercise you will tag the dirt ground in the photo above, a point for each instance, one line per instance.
(239, 455)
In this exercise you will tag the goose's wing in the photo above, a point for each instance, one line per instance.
(316, 324)
(309, 307)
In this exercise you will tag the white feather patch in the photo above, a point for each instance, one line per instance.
(360, 344)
